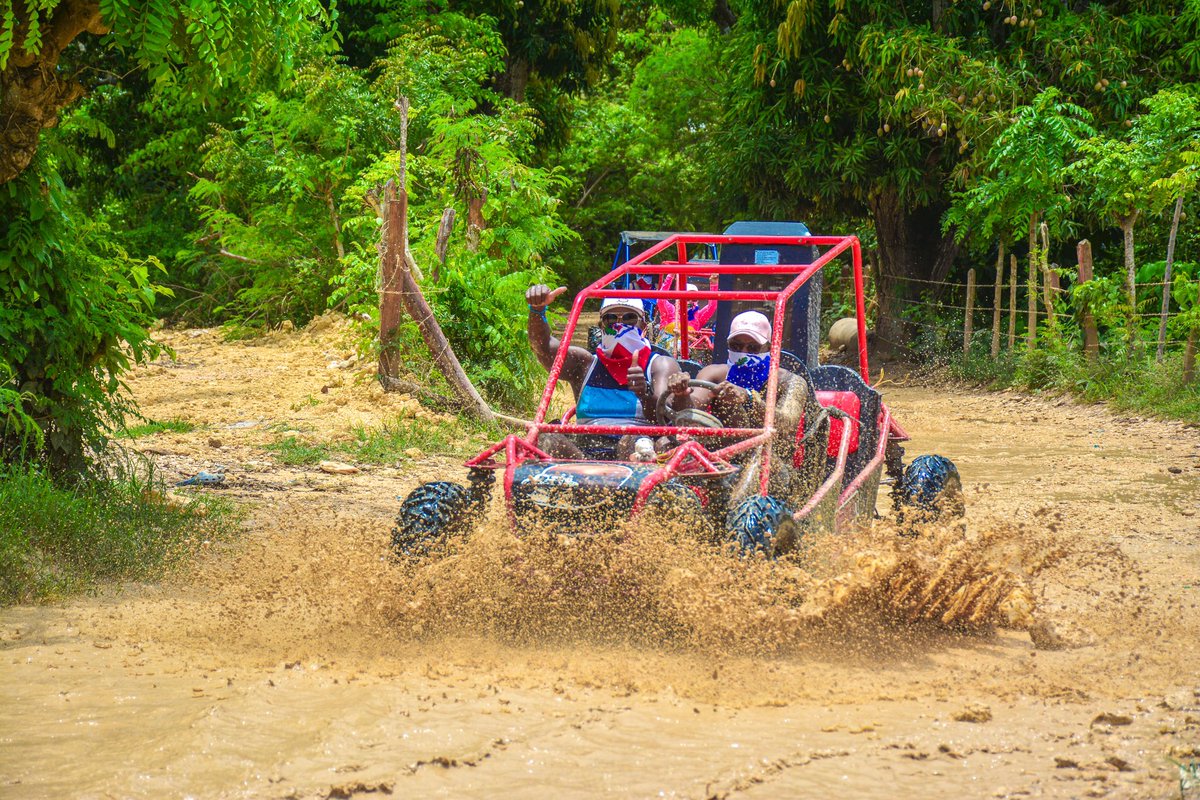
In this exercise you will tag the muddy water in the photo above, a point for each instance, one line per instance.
(1051, 651)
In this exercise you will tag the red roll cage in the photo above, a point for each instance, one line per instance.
(691, 457)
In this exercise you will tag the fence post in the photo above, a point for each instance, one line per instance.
(996, 302)
(1091, 339)
(391, 285)
(1031, 305)
(1189, 352)
(1049, 279)
(1166, 294)
(1012, 302)
(1189, 358)
(970, 312)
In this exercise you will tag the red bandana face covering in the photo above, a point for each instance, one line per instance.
(622, 346)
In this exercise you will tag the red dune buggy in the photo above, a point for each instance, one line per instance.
(815, 464)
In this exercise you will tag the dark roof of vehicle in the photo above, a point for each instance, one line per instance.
(632, 237)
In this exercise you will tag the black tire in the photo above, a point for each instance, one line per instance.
(930, 490)
(429, 514)
(763, 524)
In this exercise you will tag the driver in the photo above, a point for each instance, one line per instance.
(741, 382)
(616, 385)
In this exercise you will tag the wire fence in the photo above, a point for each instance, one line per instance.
(1018, 312)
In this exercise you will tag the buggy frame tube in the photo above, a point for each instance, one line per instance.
(834, 481)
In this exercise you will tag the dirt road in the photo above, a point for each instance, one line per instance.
(300, 663)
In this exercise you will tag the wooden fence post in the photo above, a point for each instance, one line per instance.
(968, 321)
(1166, 296)
(1049, 279)
(1189, 351)
(395, 239)
(1091, 338)
(1189, 359)
(1031, 304)
(997, 301)
(1012, 302)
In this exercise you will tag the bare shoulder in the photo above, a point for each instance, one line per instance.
(664, 365)
(714, 373)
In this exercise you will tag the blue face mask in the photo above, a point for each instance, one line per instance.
(749, 370)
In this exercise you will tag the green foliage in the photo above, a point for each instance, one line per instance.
(73, 316)
(636, 155)
(459, 157)
(1026, 171)
(1170, 131)
(545, 41)
(20, 435)
(56, 541)
(272, 189)
(223, 42)
(1103, 295)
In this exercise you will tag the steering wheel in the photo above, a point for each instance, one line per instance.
(686, 417)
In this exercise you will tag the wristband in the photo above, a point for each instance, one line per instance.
(539, 310)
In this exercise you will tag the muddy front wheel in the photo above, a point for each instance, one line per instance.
(763, 524)
(430, 513)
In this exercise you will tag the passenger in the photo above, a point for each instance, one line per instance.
(616, 385)
(741, 382)
(697, 315)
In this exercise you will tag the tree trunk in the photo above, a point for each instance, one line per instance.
(32, 91)
(475, 221)
(911, 245)
(393, 258)
(395, 241)
(969, 313)
(1031, 304)
(1166, 294)
(418, 308)
(515, 78)
(337, 225)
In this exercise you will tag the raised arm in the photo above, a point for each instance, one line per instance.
(666, 308)
(544, 344)
(706, 313)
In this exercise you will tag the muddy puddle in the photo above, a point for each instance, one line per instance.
(1050, 650)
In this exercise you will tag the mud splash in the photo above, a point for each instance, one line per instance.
(649, 585)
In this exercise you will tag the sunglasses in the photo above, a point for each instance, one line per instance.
(628, 318)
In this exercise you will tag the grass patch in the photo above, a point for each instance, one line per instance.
(295, 452)
(389, 443)
(56, 541)
(151, 427)
(1138, 384)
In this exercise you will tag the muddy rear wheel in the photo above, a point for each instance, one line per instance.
(930, 490)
